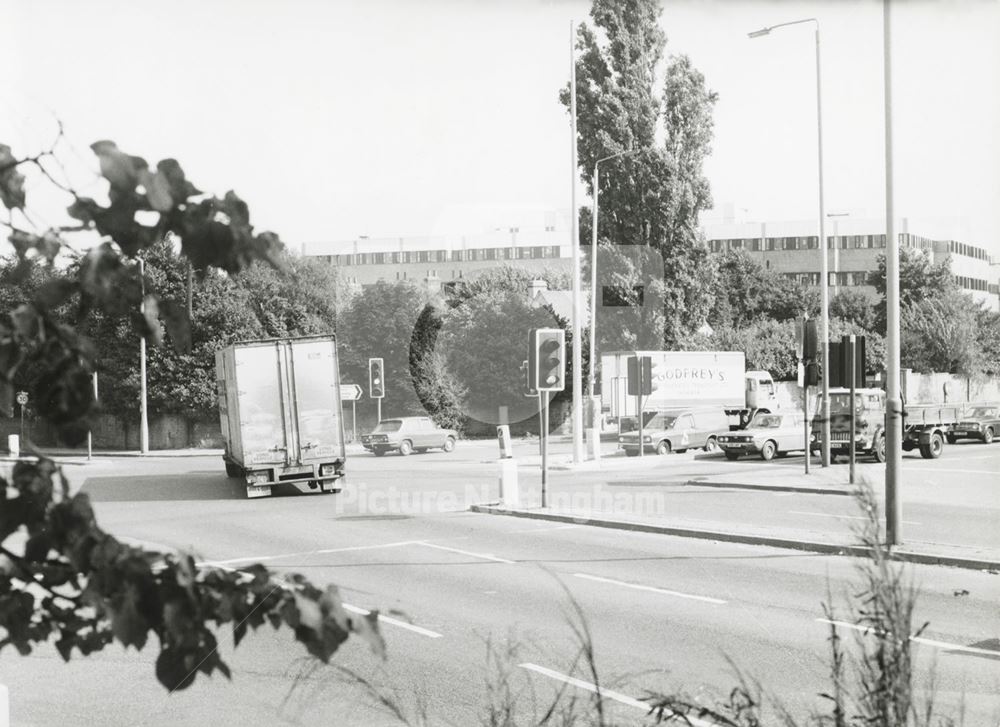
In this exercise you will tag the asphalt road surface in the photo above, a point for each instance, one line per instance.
(471, 598)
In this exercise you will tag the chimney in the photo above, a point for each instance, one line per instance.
(535, 287)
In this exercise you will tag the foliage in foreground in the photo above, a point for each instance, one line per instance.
(64, 580)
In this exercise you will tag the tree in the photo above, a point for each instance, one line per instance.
(855, 307)
(941, 334)
(653, 195)
(988, 327)
(919, 279)
(60, 574)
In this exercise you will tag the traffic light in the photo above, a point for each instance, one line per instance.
(810, 341)
(529, 389)
(376, 378)
(840, 362)
(547, 359)
(639, 376)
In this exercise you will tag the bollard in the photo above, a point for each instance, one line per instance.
(14, 445)
(510, 495)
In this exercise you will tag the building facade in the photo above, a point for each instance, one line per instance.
(853, 248)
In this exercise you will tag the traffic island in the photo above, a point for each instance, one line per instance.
(968, 558)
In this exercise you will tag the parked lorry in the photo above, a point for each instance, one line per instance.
(689, 379)
(279, 408)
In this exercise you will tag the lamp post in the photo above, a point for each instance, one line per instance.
(593, 264)
(143, 416)
(575, 242)
(824, 251)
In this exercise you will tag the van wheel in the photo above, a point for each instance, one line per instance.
(663, 447)
(879, 451)
(712, 445)
(988, 435)
(449, 444)
(406, 447)
(768, 451)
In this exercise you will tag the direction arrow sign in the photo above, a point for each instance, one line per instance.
(350, 392)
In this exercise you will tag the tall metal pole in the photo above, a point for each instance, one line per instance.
(593, 284)
(824, 273)
(575, 242)
(894, 405)
(143, 415)
(853, 342)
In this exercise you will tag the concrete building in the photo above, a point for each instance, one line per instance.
(790, 248)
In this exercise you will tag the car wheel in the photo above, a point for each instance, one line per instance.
(768, 451)
(988, 435)
(663, 447)
(951, 439)
(732, 456)
(879, 451)
(712, 445)
(378, 451)
(406, 448)
(449, 444)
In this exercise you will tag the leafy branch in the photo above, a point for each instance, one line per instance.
(81, 586)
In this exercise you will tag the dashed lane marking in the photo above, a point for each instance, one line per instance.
(484, 556)
(395, 622)
(650, 589)
(920, 640)
(602, 692)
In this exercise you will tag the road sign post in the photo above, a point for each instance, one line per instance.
(22, 401)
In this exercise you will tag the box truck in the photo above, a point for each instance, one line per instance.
(279, 407)
(706, 380)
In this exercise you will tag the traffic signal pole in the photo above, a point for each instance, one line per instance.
(544, 399)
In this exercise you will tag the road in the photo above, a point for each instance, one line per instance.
(664, 613)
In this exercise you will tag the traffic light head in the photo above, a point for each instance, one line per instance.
(549, 347)
(376, 378)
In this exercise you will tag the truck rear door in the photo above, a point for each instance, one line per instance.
(316, 396)
(261, 411)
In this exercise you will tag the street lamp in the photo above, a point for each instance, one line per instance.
(593, 264)
(824, 271)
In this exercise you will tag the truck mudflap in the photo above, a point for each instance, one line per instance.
(307, 478)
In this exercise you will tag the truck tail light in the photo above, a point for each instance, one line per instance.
(258, 477)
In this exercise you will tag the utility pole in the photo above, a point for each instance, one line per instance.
(143, 416)
(894, 405)
(575, 242)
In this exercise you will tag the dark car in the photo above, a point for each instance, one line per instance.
(407, 435)
(979, 422)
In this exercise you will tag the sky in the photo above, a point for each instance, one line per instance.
(338, 119)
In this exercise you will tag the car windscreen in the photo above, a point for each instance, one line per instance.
(389, 425)
(661, 421)
(983, 412)
(841, 403)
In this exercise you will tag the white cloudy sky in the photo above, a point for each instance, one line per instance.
(336, 119)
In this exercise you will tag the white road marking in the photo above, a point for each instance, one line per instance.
(394, 622)
(484, 556)
(920, 639)
(602, 692)
(310, 552)
(843, 517)
(651, 589)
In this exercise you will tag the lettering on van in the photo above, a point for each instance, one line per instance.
(684, 374)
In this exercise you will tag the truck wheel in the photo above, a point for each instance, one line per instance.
(449, 444)
(406, 447)
(878, 452)
(663, 447)
(988, 436)
(768, 451)
(378, 451)
(933, 449)
(732, 456)
(233, 470)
